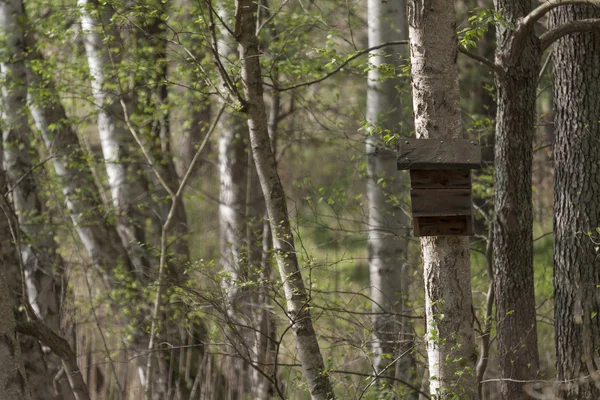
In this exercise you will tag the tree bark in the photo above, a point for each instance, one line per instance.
(513, 243)
(297, 298)
(12, 372)
(42, 263)
(70, 162)
(116, 141)
(62, 349)
(39, 251)
(13, 377)
(577, 206)
(241, 210)
(450, 342)
(387, 241)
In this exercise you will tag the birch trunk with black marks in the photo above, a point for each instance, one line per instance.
(297, 297)
(513, 242)
(82, 197)
(577, 206)
(42, 264)
(241, 210)
(387, 226)
(117, 143)
(448, 303)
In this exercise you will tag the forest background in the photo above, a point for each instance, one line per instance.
(201, 200)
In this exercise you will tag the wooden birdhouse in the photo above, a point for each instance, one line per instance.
(440, 177)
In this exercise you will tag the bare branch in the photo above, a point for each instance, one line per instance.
(488, 63)
(583, 25)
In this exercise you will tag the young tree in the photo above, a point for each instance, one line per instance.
(450, 341)
(241, 209)
(298, 306)
(577, 205)
(387, 242)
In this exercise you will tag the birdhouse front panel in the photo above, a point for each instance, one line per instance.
(440, 174)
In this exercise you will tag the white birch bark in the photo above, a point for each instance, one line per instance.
(387, 242)
(450, 342)
(41, 262)
(241, 209)
(82, 197)
(114, 138)
(40, 252)
(297, 298)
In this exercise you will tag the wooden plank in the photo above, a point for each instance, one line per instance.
(440, 202)
(443, 226)
(438, 154)
(440, 179)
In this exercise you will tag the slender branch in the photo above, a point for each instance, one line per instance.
(214, 48)
(378, 375)
(270, 17)
(544, 68)
(583, 25)
(196, 157)
(482, 363)
(26, 174)
(147, 155)
(488, 63)
(543, 236)
(339, 68)
(391, 378)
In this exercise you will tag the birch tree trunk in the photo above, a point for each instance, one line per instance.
(297, 298)
(116, 141)
(387, 242)
(100, 239)
(241, 210)
(513, 242)
(448, 303)
(577, 206)
(39, 253)
(41, 262)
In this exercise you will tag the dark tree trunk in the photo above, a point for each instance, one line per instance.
(577, 206)
(513, 244)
